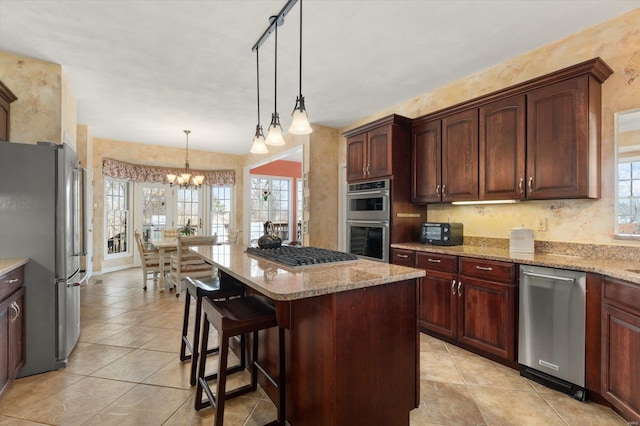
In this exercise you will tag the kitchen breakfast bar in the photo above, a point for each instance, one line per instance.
(352, 342)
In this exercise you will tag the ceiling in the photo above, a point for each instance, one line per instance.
(143, 70)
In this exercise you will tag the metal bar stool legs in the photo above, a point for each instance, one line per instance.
(213, 288)
(232, 318)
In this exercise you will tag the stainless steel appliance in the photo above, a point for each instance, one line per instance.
(41, 217)
(441, 234)
(551, 346)
(301, 256)
(368, 219)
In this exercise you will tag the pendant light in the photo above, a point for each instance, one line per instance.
(274, 137)
(258, 146)
(300, 124)
(184, 179)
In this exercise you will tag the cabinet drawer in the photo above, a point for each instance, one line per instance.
(622, 293)
(403, 257)
(490, 270)
(11, 282)
(437, 262)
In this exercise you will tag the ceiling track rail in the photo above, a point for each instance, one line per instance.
(274, 20)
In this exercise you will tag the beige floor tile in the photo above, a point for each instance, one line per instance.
(132, 317)
(100, 313)
(577, 413)
(476, 370)
(175, 375)
(142, 405)
(133, 337)
(502, 407)
(188, 416)
(168, 340)
(34, 388)
(171, 320)
(10, 421)
(136, 366)
(445, 403)
(87, 358)
(265, 412)
(428, 343)
(438, 366)
(95, 331)
(72, 405)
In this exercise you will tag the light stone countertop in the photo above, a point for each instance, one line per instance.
(8, 265)
(279, 282)
(621, 269)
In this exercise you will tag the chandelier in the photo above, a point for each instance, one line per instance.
(184, 179)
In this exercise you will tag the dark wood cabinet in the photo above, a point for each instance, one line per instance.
(621, 347)
(426, 162)
(487, 306)
(402, 257)
(502, 149)
(460, 156)
(438, 303)
(378, 149)
(563, 155)
(12, 337)
(6, 97)
(537, 140)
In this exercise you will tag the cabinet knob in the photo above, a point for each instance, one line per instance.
(403, 256)
(484, 268)
(530, 183)
(16, 309)
(434, 260)
(14, 280)
(438, 190)
(459, 288)
(444, 190)
(453, 287)
(521, 185)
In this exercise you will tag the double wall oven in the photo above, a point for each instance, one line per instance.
(368, 217)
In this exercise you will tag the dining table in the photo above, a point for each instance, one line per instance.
(164, 246)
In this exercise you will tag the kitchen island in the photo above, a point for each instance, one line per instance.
(351, 336)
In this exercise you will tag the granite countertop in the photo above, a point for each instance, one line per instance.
(621, 269)
(8, 265)
(279, 282)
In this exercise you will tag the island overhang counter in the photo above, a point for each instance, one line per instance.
(352, 339)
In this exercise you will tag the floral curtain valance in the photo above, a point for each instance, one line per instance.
(140, 173)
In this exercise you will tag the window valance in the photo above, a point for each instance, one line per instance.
(141, 173)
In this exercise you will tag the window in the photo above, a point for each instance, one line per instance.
(629, 197)
(154, 211)
(116, 201)
(187, 207)
(221, 211)
(270, 201)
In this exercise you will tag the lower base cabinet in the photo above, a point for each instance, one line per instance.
(12, 355)
(621, 347)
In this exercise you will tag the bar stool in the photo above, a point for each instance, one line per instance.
(222, 287)
(231, 318)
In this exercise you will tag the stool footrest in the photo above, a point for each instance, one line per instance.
(230, 370)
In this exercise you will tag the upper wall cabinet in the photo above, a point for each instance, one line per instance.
(537, 140)
(377, 149)
(6, 97)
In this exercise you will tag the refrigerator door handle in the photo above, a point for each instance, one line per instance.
(78, 209)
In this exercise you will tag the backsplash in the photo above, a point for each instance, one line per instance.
(599, 251)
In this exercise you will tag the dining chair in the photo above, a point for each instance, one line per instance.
(185, 263)
(170, 233)
(150, 260)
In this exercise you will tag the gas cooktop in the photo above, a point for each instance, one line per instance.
(302, 256)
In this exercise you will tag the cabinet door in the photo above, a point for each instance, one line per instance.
(486, 316)
(16, 334)
(460, 156)
(4, 342)
(621, 360)
(558, 140)
(426, 163)
(379, 152)
(502, 149)
(438, 304)
(356, 152)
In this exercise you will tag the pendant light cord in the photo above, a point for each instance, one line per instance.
(300, 74)
(275, 83)
(258, 81)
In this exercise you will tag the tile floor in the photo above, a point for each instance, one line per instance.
(125, 371)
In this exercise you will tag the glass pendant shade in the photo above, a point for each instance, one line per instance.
(274, 137)
(300, 124)
(258, 146)
(171, 178)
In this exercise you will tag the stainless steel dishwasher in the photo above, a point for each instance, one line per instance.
(551, 341)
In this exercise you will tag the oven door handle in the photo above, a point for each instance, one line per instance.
(368, 222)
(380, 192)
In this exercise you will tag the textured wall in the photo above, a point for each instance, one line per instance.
(588, 221)
(37, 113)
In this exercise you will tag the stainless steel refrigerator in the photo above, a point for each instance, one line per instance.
(41, 218)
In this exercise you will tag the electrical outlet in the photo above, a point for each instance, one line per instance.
(541, 224)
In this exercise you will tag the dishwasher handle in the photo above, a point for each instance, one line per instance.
(549, 277)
